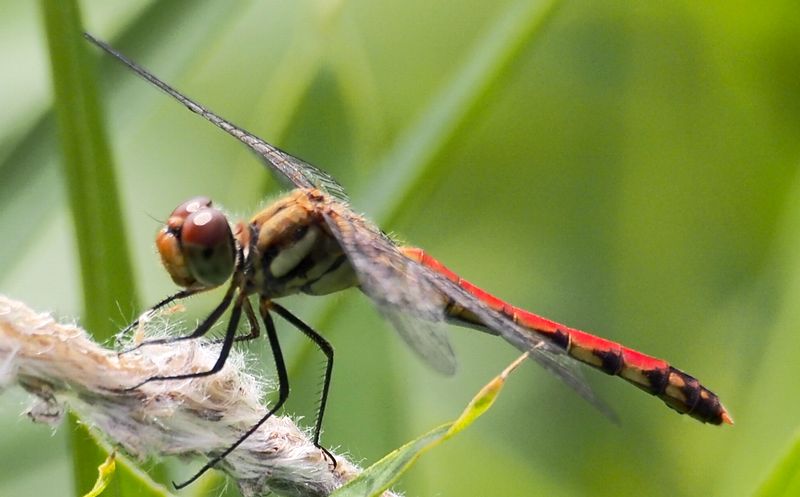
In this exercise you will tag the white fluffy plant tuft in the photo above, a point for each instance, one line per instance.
(63, 368)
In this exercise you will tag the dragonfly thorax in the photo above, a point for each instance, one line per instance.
(292, 251)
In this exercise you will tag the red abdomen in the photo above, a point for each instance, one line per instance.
(677, 389)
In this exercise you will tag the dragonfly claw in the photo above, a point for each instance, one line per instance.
(155, 341)
(330, 457)
(124, 390)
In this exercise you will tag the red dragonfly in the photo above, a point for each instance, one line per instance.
(310, 241)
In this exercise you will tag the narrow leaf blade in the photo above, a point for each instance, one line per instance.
(784, 481)
(380, 476)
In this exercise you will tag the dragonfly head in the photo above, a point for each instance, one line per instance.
(196, 245)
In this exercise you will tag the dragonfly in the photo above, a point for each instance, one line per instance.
(310, 241)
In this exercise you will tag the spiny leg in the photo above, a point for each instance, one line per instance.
(227, 341)
(255, 330)
(185, 293)
(283, 393)
(202, 328)
(326, 349)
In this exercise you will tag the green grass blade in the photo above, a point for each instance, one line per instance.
(103, 249)
(126, 481)
(378, 477)
(784, 481)
(105, 266)
(409, 163)
(105, 472)
(383, 473)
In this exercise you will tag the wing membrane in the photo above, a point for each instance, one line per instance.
(402, 292)
(427, 338)
(285, 166)
(414, 299)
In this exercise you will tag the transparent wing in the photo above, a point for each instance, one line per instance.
(400, 289)
(427, 338)
(288, 168)
(415, 298)
(553, 359)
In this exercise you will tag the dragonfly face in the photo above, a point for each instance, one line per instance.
(286, 248)
(196, 245)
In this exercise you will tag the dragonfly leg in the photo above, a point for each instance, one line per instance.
(185, 293)
(283, 393)
(202, 328)
(227, 342)
(255, 330)
(327, 349)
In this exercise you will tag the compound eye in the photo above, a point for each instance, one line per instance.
(169, 238)
(192, 205)
(207, 245)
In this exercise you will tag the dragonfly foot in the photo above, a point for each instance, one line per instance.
(155, 341)
(122, 391)
(129, 349)
(127, 390)
(328, 455)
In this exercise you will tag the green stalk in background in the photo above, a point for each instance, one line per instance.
(106, 273)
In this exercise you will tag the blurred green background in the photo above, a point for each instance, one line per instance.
(628, 169)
